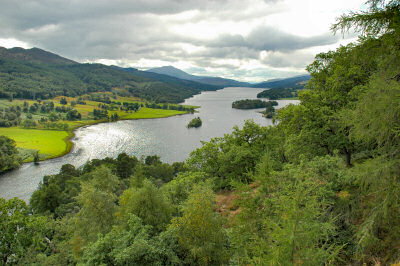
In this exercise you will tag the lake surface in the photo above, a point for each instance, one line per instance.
(167, 137)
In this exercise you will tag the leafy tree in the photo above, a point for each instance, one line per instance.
(199, 230)
(19, 231)
(131, 245)
(63, 101)
(97, 200)
(73, 115)
(147, 203)
(9, 158)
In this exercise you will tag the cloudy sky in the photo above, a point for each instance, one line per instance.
(248, 40)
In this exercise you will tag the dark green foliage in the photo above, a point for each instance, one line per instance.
(132, 245)
(10, 116)
(73, 115)
(195, 122)
(100, 114)
(279, 93)
(252, 104)
(233, 157)
(295, 82)
(199, 230)
(9, 158)
(148, 203)
(63, 101)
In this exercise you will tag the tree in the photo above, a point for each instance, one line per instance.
(73, 115)
(98, 205)
(147, 203)
(131, 245)
(63, 101)
(9, 158)
(36, 157)
(19, 231)
(199, 230)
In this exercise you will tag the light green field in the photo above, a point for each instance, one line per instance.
(49, 143)
(146, 113)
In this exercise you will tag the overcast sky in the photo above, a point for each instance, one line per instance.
(248, 40)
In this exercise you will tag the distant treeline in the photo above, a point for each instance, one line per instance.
(278, 93)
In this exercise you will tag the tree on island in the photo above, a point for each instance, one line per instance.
(195, 122)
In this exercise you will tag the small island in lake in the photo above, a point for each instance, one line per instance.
(252, 104)
(195, 122)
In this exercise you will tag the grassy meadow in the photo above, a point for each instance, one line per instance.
(49, 143)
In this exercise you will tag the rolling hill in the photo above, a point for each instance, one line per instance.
(35, 73)
(217, 81)
(292, 82)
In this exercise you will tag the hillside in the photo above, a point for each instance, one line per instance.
(37, 74)
(216, 81)
(33, 55)
(172, 80)
(292, 82)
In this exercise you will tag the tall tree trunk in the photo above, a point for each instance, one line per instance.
(347, 154)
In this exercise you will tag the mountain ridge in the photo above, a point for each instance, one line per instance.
(38, 74)
(178, 73)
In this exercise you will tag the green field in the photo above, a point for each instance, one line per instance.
(49, 143)
(146, 113)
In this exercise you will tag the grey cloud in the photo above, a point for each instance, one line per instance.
(129, 30)
(270, 39)
(297, 59)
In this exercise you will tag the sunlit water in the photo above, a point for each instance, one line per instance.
(167, 137)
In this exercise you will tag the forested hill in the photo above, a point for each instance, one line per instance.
(216, 81)
(294, 82)
(35, 73)
(172, 80)
(33, 55)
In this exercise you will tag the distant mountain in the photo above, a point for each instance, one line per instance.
(173, 72)
(172, 80)
(35, 73)
(292, 82)
(217, 81)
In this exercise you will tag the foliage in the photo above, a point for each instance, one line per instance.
(195, 122)
(9, 158)
(279, 93)
(252, 104)
(20, 231)
(148, 204)
(199, 229)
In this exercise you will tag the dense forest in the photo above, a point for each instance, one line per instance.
(294, 82)
(37, 74)
(321, 187)
(279, 93)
